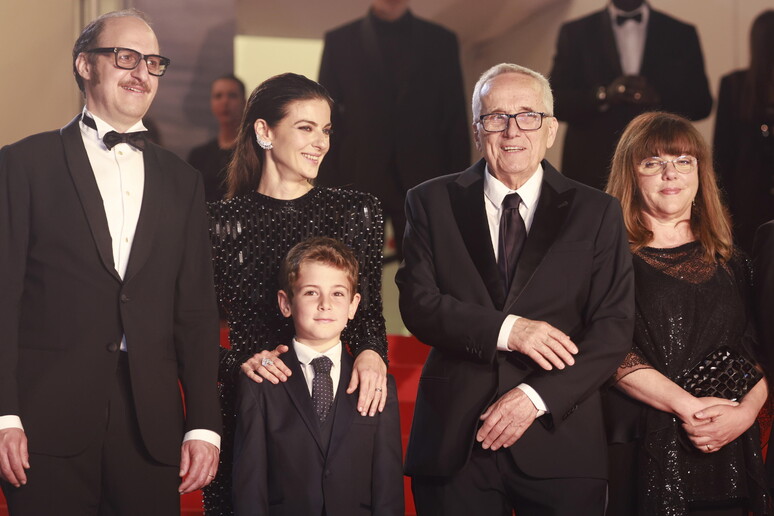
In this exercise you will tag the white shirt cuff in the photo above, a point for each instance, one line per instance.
(535, 398)
(505, 332)
(200, 434)
(10, 422)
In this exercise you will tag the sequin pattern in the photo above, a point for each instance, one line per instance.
(685, 308)
(251, 234)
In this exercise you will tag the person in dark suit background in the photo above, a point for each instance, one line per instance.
(400, 114)
(744, 143)
(227, 102)
(763, 262)
(107, 305)
(351, 465)
(614, 64)
(528, 308)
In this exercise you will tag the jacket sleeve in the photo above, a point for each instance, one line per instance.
(387, 466)
(250, 473)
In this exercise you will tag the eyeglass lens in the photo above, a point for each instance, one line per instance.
(529, 121)
(128, 59)
(683, 164)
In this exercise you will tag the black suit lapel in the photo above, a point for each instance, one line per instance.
(652, 53)
(86, 185)
(298, 391)
(552, 209)
(417, 47)
(607, 45)
(374, 60)
(345, 406)
(152, 199)
(466, 196)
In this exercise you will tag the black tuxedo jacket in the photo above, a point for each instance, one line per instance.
(385, 141)
(587, 58)
(282, 467)
(64, 309)
(574, 273)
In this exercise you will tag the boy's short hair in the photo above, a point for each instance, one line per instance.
(324, 250)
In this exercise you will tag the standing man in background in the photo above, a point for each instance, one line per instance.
(614, 64)
(107, 306)
(400, 105)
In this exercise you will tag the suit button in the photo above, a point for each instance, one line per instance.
(113, 347)
(124, 298)
(327, 473)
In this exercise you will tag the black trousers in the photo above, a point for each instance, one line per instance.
(491, 484)
(114, 476)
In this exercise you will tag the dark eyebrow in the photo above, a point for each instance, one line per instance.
(302, 121)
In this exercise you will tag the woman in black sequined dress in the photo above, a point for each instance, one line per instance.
(673, 454)
(272, 205)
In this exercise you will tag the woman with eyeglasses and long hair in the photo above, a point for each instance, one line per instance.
(677, 445)
(744, 135)
(271, 205)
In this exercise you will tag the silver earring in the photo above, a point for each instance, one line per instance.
(265, 145)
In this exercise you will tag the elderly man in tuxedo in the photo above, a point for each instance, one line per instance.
(520, 280)
(107, 308)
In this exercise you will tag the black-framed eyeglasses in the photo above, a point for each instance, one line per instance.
(526, 121)
(128, 59)
(684, 164)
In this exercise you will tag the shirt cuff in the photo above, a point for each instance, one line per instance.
(201, 434)
(535, 398)
(505, 332)
(10, 422)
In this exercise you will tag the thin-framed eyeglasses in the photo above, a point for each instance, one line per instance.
(526, 121)
(128, 59)
(684, 164)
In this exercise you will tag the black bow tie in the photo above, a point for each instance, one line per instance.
(623, 18)
(137, 139)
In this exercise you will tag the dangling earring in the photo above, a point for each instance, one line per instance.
(265, 145)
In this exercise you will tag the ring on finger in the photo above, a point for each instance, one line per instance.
(267, 362)
(709, 448)
(378, 389)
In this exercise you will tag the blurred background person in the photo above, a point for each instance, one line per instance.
(614, 64)
(400, 115)
(673, 453)
(744, 144)
(227, 102)
(272, 205)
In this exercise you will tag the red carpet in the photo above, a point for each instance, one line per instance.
(406, 358)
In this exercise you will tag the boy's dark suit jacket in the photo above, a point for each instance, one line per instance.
(282, 468)
(574, 273)
(587, 58)
(64, 309)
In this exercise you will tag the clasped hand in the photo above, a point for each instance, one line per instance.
(543, 343)
(716, 423)
(506, 420)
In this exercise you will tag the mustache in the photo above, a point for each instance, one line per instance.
(138, 85)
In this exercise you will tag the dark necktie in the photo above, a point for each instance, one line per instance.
(136, 139)
(513, 233)
(623, 18)
(322, 387)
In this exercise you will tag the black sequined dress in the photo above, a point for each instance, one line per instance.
(685, 308)
(251, 234)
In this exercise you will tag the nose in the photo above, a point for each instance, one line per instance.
(141, 70)
(323, 142)
(324, 303)
(512, 129)
(669, 172)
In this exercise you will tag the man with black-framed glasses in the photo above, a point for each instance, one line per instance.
(107, 306)
(520, 280)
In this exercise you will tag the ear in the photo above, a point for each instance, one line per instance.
(284, 303)
(553, 127)
(353, 306)
(475, 136)
(83, 65)
(262, 129)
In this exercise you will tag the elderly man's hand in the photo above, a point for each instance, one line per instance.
(14, 458)
(198, 465)
(506, 420)
(543, 343)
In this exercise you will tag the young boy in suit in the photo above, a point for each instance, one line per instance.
(301, 447)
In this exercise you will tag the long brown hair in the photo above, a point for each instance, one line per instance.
(652, 134)
(269, 101)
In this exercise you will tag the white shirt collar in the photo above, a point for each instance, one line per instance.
(103, 127)
(495, 190)
(306, 354)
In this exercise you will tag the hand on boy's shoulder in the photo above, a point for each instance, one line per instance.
(267, 365)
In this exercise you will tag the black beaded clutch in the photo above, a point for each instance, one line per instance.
(724, 373)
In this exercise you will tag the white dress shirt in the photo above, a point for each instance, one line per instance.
(630, 37)
(494, 193)
(120, 176)
(305, 356)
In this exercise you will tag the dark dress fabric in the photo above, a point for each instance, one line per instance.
(212, 162)
(685, 308)
(744, 155)
(251, 234)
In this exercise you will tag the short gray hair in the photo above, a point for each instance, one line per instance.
(503, 68)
